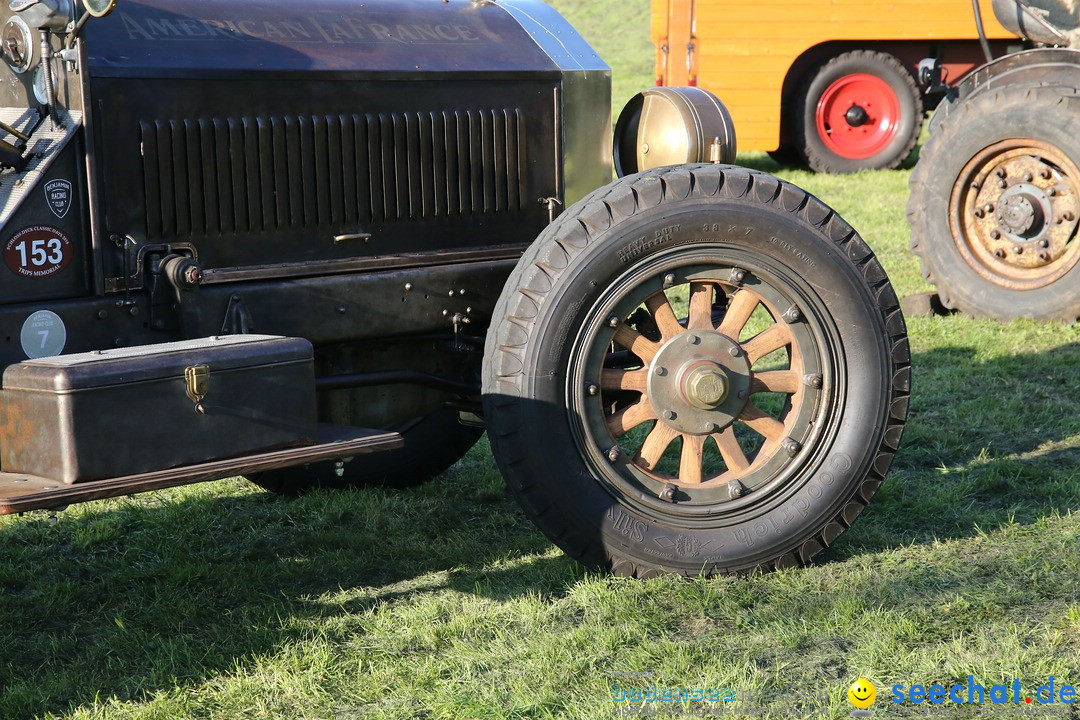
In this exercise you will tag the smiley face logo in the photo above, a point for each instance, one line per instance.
(862, 693)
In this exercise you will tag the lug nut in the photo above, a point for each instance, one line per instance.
(735, 489)
(614, 453)
(1068, 216)
(1000, 172)
(669, 280)
(667, 493)
(999, 254)
(669, 414)
(994, 234)
(1002, 184)
(661, 371)
(1018, 250)
(737, 276)
(734, 351)
(793, 314)
(978, 212)
(814, 380)
(592, 389)
(613, 321)
(1028, 177)
(988, 207)
(1044, 256)
(791, 447)
(710, 427)
(1052, 192)
(1044, 243)
(692, 339)
(1045, 173)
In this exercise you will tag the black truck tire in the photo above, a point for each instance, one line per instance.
(432, 444)
(995, 202)
(599, 398)
(861, 110)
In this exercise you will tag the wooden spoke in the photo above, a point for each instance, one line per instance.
(767, 341)
(663, 315)
(741, 306)
(624, 380)
(693, 458)
(637, 343)
(658, 441)
(780, 381)
(765, 425)
(730, 450)
(701, 301)
(630, 417)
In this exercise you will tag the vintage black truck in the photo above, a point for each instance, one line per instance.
(320, 243)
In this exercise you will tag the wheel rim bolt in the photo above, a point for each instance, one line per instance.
(791, 447)
(1067, 215)
(1002, 184)
(737, 276)
(613, 453)
(1000, 172)
(1018, 250)
(1052, 192)
(813, 381)
(1044, 243)
(669, 415)
(999, 254)
(978, 212)
(592, 389)
(669, 280)
(710, 427)
(735, 489)
(692, 339)
(667, 493)
(613, 321)
(995, 234)
(1028, 177)
(988, 208)
(1045, 173)
(734, 351)
(660, 371)
(1044, 256)
(793, 314)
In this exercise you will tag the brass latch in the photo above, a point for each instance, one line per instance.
(197, 378)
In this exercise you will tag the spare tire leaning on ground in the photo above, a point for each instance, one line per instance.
(698, 370)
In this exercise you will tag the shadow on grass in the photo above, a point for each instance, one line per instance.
(136, 597)
(989, 442)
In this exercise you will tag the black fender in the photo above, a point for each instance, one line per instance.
(1038, 67)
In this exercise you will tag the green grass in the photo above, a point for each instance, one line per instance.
(220, 601)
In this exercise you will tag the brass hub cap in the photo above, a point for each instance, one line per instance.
(699, 382)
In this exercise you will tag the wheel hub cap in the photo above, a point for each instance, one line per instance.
(856, 116)
(704, 385)
(699, 382)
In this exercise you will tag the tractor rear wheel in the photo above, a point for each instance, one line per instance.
(861, 110)
(698, 370)
(995, 204)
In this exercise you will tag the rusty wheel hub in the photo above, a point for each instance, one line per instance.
(1014, 212)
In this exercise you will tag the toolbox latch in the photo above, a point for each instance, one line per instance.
(198, 384)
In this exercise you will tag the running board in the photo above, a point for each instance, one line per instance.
(20, 493)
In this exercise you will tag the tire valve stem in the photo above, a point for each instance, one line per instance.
(614, 453)
(791, 447)
(667, 493)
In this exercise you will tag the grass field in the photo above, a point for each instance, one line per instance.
(221, 601)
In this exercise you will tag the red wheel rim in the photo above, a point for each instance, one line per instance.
(858, 116)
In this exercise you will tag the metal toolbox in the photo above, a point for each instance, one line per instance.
(116, 413)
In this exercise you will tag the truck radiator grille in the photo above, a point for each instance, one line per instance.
(251, 174)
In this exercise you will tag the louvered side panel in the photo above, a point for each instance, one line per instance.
(262, 174)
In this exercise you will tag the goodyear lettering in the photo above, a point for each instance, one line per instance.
(311, 29)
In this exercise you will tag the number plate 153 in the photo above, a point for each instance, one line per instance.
(38, 251)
